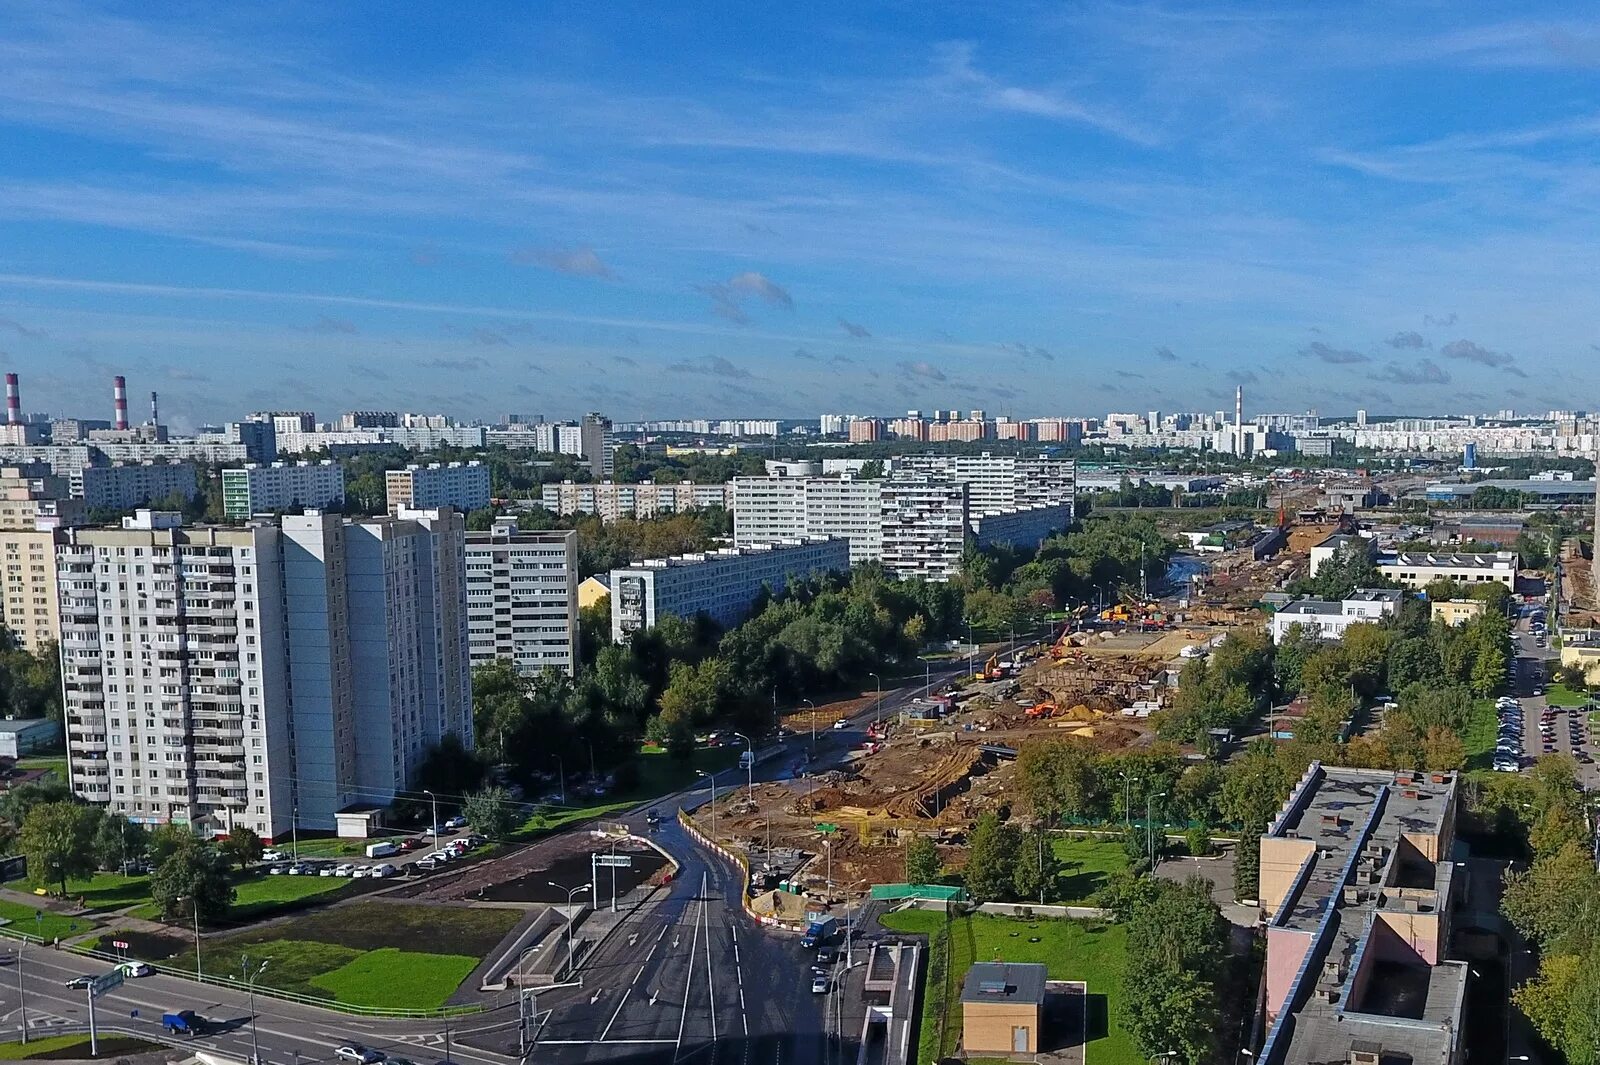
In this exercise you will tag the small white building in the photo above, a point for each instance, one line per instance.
(1336, 543)
(1328, 619)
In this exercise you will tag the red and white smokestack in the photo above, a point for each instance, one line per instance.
(119, 397)
(13, 401)
(155, 414)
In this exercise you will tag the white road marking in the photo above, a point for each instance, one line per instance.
(683, 1018)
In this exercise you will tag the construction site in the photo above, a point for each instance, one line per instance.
(932, 766)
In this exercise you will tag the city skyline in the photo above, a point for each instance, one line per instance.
(1035, 212)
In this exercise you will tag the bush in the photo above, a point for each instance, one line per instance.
(1198, 839)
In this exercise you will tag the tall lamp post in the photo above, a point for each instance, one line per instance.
(194, 906)
(1127, 799)
(572, 961)
(250, 985)
(813, 706)
(749, 770)
(877, 703)
(711, 781)
(21, 995)
(1149, 835)
(434, 799)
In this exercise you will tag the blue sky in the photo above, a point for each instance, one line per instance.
(716, 208)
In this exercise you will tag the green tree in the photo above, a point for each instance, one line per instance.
(922, 861)
(118, 840)
(1563, 1002)
(991, 860)
(58, 839)
(192, 879)
(164, 839)
(1035, 875)
(242, 846)
(1198, 839)
(491, 812)
(16, 803)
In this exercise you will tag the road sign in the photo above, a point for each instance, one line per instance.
(619, 860)
(105, 982)
(827, 826)
(119, 944)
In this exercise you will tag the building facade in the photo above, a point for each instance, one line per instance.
(1327, 620)
(522, 597)
(1002, 482)
(1417, 569)
(775, 508)
(1020, 528)
(924, 526)
(281, 486)
(138, 484)
(462, 485)
(234, 676)
(33, 504)
(721, 584)
(643, 500)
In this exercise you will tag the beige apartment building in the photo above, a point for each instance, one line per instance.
(33, 504)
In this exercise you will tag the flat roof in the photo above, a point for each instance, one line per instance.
(1447, 558)
(20, 725)
(1544, 488)
(999, 981)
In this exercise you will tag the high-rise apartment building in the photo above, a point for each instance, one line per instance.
(33, 504)
(225, 676)
(598, 446)
(281, 486)
(138, 484)
(522, 597)
(924, 525)
(1002, 482)
(776, 508)
(462, 485)
(643, 500)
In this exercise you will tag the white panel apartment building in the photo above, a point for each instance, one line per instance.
(924, 527)
(522, 597)
(1001, 482)
(134, 485)
(643, 500)
(776, 508)
(722, 584)
(462, 485)
(281, 486)
(223, 676)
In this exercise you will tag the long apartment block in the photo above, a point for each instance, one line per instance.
(233, 676)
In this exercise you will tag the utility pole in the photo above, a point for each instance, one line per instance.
(1149, 835)
(21, 995)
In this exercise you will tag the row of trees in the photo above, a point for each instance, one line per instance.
(30, 682)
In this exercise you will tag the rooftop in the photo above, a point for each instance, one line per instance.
(1448, 558)
(1548, 488)
(998, 981)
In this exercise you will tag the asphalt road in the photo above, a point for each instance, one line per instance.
(688, 977)
(1530, 666)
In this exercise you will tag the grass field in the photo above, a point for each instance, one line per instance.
(52, 925)
(71, 1047)
(400, 979)
(1561, 695)
(1481, 735)
(259, 895)
(1071, 950)
(110, 891)
(362, 953)
(57, 764)
(1088, 865)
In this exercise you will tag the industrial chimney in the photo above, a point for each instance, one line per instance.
(119, 397)
(155, 414)
(13, 401)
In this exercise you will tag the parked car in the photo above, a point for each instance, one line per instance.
(456, 823)
(383, 870)
(427, 865)
(819, 983)
(326, 870)
(272, 855)
(344, 870)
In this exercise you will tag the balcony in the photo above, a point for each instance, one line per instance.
(86, 747)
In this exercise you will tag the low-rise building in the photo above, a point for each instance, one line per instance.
(721, 584)
(591, 590)
(21, 736)
(259, 489)
(1357, 883)
(1340, 542)
(462, 485)
(1002, 1007)
(1328, 620)
(1418, 569)
(1457, 611)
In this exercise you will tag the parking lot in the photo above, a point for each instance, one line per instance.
(401, 857)
(1531, 725)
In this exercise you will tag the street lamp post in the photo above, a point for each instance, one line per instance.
(813, 706)
(250, 985)
(972, 648)
(1127, 799)
(434, 799)
(572, 961)
(561, 767)
(749, 770)
(194, 906)
(1150, 839)
(21, 995)
(711, 781)
(877, 704)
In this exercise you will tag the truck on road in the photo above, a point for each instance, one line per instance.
(382, 850)
(183, 1022)
(818, 929)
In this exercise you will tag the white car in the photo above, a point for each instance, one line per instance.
(136, 968)
(382, 870)
(841, 723)
(456, 822)
(270, 855)
(344, 870)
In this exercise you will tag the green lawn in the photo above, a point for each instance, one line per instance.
(1561, 695)
(331, 847)
(1087, 865)
(1072, 950)
(399, 979)
(57, 764)
(1481, 735)
(659, 774)
(258, 895)
(56, 1046)
(22, 919)
(364, 953)
(110, 891)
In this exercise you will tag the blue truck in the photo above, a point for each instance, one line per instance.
(183, 1022)
(818, 929)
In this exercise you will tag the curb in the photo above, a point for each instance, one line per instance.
(743, 863)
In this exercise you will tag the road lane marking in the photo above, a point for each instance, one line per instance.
(683, 1017)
